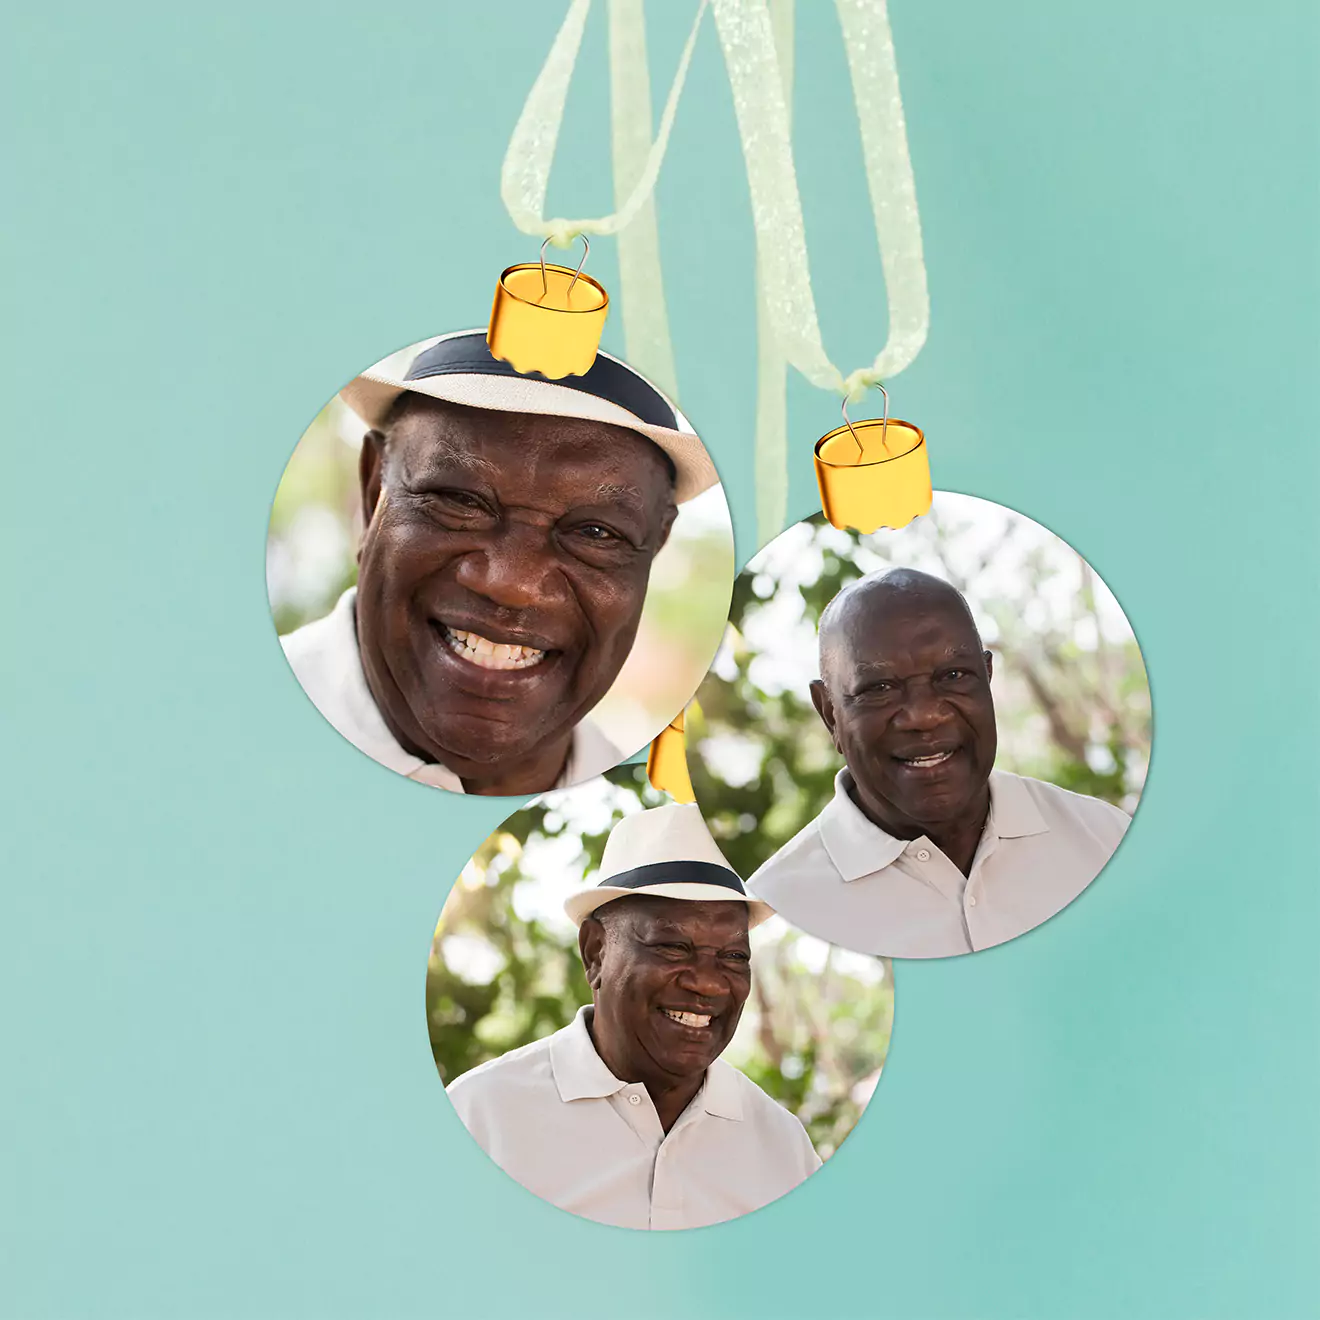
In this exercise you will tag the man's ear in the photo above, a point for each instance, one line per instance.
(591, 945)
(820, 698)
(371, 465)
(989, 664)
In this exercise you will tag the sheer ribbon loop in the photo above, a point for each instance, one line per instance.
(747, 33)
(526, 171)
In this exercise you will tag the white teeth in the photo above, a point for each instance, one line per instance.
(689, 1019)
(928, 760)
(492, 655)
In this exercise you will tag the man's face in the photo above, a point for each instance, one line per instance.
(907, 700)
(669, 979)
(502, 576)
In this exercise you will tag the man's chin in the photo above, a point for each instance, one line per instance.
(471, 744)
(684, 1062)
(936, 813)
(688, 1067)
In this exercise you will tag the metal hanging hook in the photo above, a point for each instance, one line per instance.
(884, 426)
(586, 248)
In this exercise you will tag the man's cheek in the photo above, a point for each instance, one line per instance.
(608, 607)
(404, 540)
(380, 548)
(859, 739)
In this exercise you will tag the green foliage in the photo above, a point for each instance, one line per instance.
(823, 1036)
(539, 983)
(314, 524)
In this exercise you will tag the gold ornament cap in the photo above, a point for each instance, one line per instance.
(874, 473)
(666, 763)
(547, 318)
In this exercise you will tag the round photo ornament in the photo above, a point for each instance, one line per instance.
(924, 743)
(626, 1033)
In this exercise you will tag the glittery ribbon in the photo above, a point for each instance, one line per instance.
(762, 112)
(771, 364)
(526, 170)
(647, 344)
(761, 105)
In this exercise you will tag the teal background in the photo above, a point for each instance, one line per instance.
(218, 1097)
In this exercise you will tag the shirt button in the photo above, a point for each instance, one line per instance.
(634, 1099)
(923, 854)
(971, 902)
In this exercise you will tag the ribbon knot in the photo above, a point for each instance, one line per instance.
(562, 233)
(856, 383)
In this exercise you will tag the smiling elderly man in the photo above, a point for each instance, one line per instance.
(510, 527)
(628, 1115)
(925, 849)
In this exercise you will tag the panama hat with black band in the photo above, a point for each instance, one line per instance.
(666, 852)
(459, 368)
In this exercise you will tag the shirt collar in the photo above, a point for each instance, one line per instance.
(1013, 811)
(581, 1074)
(858, 846)
(370, 731)
(589, 754)
(721, 1094)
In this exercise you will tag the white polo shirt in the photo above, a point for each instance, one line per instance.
(556, 1120)
(325, 659)
(843, 879)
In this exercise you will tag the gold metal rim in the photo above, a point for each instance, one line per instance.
(563, 270)
(870, 462)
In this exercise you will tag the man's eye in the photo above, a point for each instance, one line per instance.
(595, 532)
(738, 956)
(461, 499)
(454, 504)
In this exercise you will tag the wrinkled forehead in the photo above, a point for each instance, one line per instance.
(880, 625)
(430, 436)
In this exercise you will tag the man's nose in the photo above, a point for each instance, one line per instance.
(514, 567)
(922, 709)
(704, 977)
